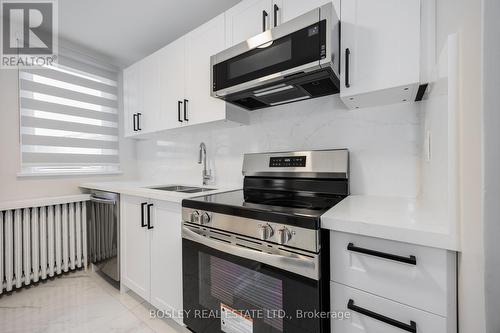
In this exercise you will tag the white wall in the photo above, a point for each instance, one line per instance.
(491, 160)
(383, 143)
(13, 187)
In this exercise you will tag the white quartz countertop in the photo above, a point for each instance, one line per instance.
(143, 189)
(400, 219)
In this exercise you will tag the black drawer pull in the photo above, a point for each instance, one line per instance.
(179, 111)
(185, 109)
(407, 260)
(347, 55)
(276, 9)
(149, 216)
(405, 327)
(139, 121)
(264, 18)
(134, 119)
(143, 224)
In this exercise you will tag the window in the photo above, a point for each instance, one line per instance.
(69, 119)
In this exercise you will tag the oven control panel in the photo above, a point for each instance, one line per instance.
(287, 162)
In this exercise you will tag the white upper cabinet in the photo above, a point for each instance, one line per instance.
(131, 95)
(171, 87)
(285, 10)
(201, 44)
(247, 19)
(172, 81)
(380, 51)
(150, 93)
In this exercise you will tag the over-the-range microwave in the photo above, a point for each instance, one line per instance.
(296, 60)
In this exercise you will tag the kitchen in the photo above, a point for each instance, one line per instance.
(212, 160)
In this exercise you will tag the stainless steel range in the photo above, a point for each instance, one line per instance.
(257, 257)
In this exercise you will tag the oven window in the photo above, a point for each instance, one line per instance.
(268, 56)
(224, 282)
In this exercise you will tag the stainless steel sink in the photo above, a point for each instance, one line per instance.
(182, 189)
(174, 188)
(197, 189)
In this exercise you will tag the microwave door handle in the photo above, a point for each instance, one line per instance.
(308, 267)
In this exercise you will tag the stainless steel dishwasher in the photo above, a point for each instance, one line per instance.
(103, 232)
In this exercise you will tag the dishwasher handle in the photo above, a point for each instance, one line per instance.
(102, 200)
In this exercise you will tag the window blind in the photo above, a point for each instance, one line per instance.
(69, 118)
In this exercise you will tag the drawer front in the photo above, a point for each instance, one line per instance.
(373, 314)
(417, 276)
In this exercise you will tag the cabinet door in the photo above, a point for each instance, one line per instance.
(290, 9)
(131, 97)
(383, 38)
(172, 81)
(247, 19)
(202, 43)
(166, 257)
(135, 251)
(150, 93)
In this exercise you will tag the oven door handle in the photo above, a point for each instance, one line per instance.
(301, 265)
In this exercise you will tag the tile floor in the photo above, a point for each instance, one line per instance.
(81, 301)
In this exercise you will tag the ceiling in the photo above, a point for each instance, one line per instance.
(128, 30)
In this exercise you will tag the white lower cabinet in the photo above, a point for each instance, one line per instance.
(134, 247)
(151, 252)
(374, 314)
(166, 258)
(391, 284)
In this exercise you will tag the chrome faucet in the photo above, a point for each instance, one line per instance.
(203, 158)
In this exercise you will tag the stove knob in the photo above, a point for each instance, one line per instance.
(265, 231)
(205, 218)
(284, 235)
(195, 217)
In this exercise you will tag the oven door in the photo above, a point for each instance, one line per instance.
(227, 288)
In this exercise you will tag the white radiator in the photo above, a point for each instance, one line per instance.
(41, 241)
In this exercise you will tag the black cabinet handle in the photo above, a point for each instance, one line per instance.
(347, 56)
(139, 121)
(134, 117)
(276, 9)
(412, 327)
(143, 224)
(179, 111)
(185, 109)
(412, 260)
(264, 17)
(149, 216)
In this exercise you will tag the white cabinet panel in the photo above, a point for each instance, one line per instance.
(150, 93)
(166, 258)
(290, 9)
(358, 322)
(201, 44)
(427, 285)
(247, 19)
(131, 97)
(134, 247)
(383, 38)
(172, 81)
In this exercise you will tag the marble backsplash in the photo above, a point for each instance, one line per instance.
(384, 144)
